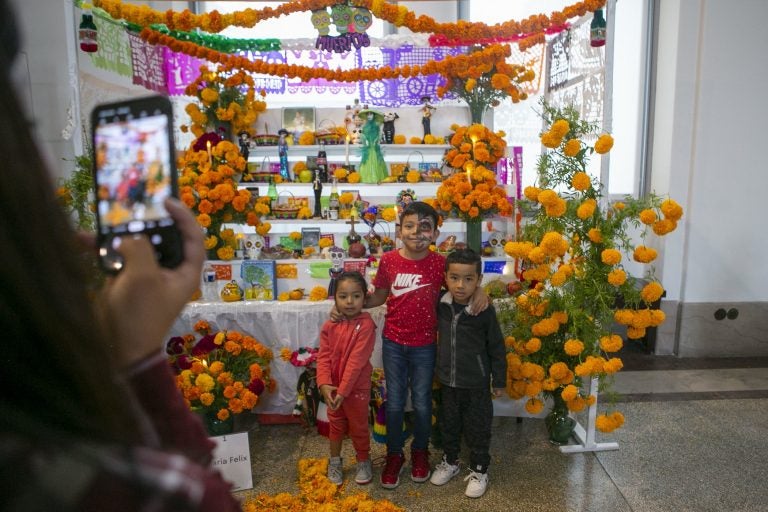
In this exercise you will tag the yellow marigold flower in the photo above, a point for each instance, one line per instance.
(225, 253)
(647, 216)
(657, 317)
(644, 254)
(295, 236)
(553, 243)
(618, 205)
(532, 193)
(595, 236)
(664, 226)
(573, 347)
(533, 388)
(340, 173)
(537, 255)
(518, 249)
(533, 345)
(532, 371)
(557, 209)
(617, 277)
(353, 177)
(534, 406)
(399, 139)
(560, 127)
(577, 404)
(586, 209)
(545, 327)
(610, 256)
(389, 214)
(635, 333)
(414, 140)
(209, 95)
(569, 392)
(550, 140)
(604, 144)
(613, 365)
(284, 296)
(558, 370)
(211, 242)
(671, 210)
(623, 316)
(558, 278)
(560, 316)
(549, 384)
(547, 197)
(612, 343)
(580, 180)
(285, 354)
(205, 382)
(652, 292)
(572, 148)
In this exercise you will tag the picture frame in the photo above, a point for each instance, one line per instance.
(298, 120)
(310, 237)
(259, 279)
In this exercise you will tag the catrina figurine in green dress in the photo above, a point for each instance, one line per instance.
(373, 168)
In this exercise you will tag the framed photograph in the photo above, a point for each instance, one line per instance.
(310, 237)
(259, 279)
(299, 119)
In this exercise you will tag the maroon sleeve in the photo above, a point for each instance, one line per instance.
(179, 429)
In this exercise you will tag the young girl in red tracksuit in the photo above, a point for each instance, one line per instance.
(344, 375)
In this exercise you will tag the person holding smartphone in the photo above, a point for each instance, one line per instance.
(91, 417)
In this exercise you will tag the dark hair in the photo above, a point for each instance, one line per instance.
(58, 379)
(465, 257)
(420, 209)
(352, 275)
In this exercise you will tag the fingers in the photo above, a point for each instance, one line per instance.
(192, 235)
(137, 252)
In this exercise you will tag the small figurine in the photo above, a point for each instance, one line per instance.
(317, 187)
(253, 244)
(426, 115)
(337, 260)
(373, 168)
(389, 127)
(245, 144)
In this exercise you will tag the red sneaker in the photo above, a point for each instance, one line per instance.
(390, 476)
(420, 470)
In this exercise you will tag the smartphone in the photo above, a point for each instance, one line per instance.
(134, 172)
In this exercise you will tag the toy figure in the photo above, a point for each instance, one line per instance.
(426, 115)
(245, 143)
(317, 187)
(389, 127)
(373, 168)
(337, 260)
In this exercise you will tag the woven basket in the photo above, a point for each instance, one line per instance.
(266, 139)
(328, 133)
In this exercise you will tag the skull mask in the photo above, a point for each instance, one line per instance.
(337, 257)
(496, 241)
(321, 20)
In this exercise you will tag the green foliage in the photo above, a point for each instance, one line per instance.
(76, 193)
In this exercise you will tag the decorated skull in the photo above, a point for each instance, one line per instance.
(341, 14)
(361, 19)
(321, 20)
(253, 245)
(337, 257)
(496, 241)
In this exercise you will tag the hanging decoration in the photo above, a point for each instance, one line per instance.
(351, 23)
(88, 34)
(597, 29)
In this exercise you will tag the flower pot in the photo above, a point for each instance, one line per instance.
(559, 423)
(217, 427)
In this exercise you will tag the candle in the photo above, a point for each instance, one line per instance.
(210, 158)
(470, 165)
(346, 153)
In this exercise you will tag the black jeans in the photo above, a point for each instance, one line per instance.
(468, 412)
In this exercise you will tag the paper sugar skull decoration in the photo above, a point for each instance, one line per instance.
(253, 245)
(321, 20)
(496, 242)
(361, 19)
(337, 260)
(341, 14)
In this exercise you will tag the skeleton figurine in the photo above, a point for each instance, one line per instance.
(496, 242)
(389, 127)
(253, 245)
(337, 259)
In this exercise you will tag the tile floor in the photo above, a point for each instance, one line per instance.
(695, 439)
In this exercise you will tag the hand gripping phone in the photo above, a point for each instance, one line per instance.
(134, 172)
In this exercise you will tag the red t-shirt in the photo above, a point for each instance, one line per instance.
(414, 289)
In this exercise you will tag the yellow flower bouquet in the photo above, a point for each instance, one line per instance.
(220, 373)
(560, 332)
(224, 96)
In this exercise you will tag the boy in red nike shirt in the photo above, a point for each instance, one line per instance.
(409, 281)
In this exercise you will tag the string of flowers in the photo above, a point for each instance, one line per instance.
(473, 194)
(225, 95)
(559, 333)
(484, 84)
(221, 373)
(461, 33)
(492, 55)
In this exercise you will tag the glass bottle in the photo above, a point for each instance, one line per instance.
(597, 29)
(333, 202)
(87, 34)
(210, 288)
(272, 193)
(322, 163)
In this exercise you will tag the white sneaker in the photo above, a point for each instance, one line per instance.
(364, 472)
(335, 473)
(478, 482)
(444, 472)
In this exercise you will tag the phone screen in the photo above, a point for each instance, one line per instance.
(134, 173)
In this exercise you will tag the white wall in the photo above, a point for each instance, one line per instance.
(709, 136)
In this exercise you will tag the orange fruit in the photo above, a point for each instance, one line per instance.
(296, 294)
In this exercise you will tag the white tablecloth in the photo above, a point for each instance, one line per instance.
(275, 324)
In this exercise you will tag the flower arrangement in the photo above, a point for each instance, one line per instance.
(559, 331)
(220, 373)
(207, 186)
(74, 193)
(474, 193)
(484, 84)
(225, 95)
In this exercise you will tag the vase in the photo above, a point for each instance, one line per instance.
(217, 427)
(475, 235)
(559, 423)
(476, 111)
